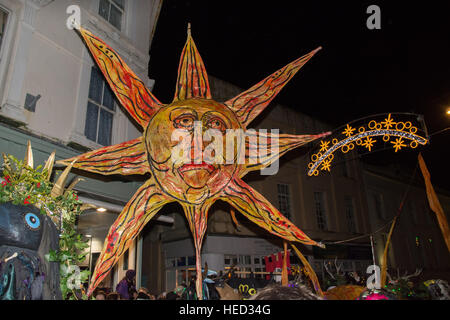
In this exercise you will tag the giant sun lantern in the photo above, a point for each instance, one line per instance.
(195, 185)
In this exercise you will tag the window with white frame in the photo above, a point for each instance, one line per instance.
(100, 110)
(350, 213)
(284, 199)
(112, 11)
(3, 21)
(319, 202)
(378, 202)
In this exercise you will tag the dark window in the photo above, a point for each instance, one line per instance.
(284, 199)
(100, 110)
(378, 201)
(345, 168)
(413, 212)
(125, 260)
(319, 200)
(112, 11)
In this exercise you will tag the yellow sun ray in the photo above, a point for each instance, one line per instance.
(197, 216)
(192, 77)
(124, 158)
(249, 104)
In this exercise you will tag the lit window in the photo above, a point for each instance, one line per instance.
(349, 214)
(319, 200)
(284, 199)
(3, 20)
(112, 11)
(100, 110)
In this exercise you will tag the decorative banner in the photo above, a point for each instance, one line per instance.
(435, 205)
(196, 186)
(403, 135)
(386, 248)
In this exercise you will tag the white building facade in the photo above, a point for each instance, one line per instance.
(52, 94)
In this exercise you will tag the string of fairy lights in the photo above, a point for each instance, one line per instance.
(403, 135)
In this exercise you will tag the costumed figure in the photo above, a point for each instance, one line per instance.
(127, 286)
(26, 236)
(33, 213)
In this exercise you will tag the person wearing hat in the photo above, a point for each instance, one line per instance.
(127, 287)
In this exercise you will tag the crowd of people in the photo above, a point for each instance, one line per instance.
(218, 287)
(126, 290)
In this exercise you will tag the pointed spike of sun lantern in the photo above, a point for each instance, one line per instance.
(29, 156)
(58, 188)
(74, 183)
(49, 165)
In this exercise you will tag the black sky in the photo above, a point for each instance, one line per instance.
(404, 67)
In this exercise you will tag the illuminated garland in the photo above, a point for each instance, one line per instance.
(364, 138)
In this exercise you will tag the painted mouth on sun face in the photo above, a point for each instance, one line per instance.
(193, 166)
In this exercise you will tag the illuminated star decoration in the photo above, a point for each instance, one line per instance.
(195, 186)
(364, 137)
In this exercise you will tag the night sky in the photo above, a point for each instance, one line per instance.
(404, 67)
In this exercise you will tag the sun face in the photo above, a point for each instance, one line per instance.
(204, 177)
(201, 176)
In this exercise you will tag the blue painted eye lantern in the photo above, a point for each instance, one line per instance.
(32, 221)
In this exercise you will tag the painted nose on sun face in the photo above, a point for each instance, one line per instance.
(197, 146)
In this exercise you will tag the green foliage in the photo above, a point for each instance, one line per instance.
(23, 185)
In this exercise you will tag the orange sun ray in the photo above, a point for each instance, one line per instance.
(192, 81)
(145, 203)
(260, 211)
(132, 93)
(125, 158)
(276, 146)
(249, 104)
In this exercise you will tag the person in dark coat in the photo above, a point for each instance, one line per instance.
(127, 287)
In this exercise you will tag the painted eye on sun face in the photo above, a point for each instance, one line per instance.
(216, 123)
(184, 122)
(32, 220)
